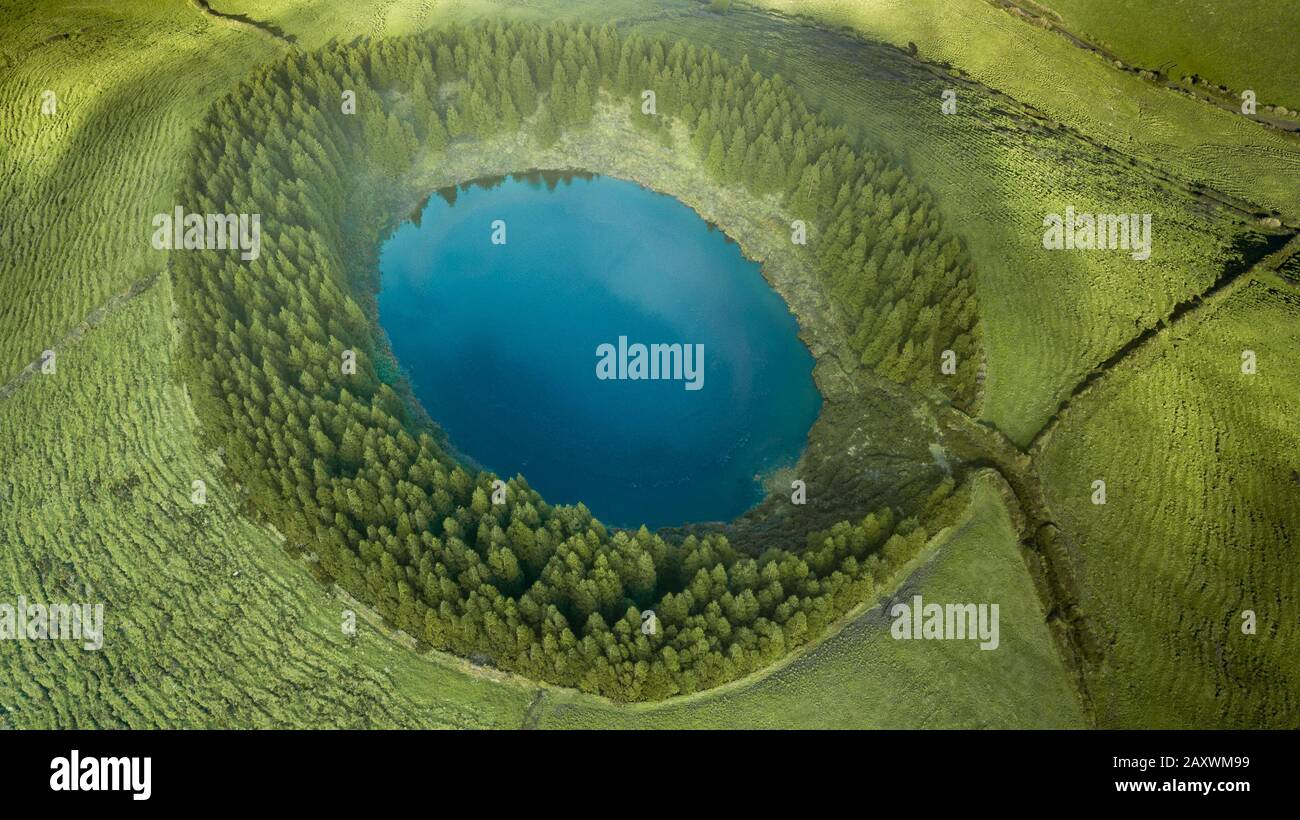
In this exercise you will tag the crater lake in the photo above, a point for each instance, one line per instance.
(502, 302)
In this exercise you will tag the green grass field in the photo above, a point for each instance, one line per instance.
(1232, 45)
(1043, 70)
(212, 624)
(1202, 468)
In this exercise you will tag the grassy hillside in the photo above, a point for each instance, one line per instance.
(130, 81)
(209, 622)
(1237, 45)
(1201, 521)
(1205, 517)
(1071, 86)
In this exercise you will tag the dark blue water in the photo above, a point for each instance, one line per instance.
(500, 343)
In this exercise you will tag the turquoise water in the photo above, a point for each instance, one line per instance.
(500, 342)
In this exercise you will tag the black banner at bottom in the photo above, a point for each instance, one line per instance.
(142, 770)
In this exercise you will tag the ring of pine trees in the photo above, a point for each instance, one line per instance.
(360, 482)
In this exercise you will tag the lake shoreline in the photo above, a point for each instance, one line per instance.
(605, 265)
(876, 431)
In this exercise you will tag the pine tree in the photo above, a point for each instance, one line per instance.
(714, 161)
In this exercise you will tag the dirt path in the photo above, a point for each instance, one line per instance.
(534, 713)
(1184, 314)
(245, 23)
(979, 445)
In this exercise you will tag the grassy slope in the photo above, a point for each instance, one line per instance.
(81, 186)
(1237, 45)
(1050, 316)
(1042, 69)
(314, 22)
(861, 677)
(1202, 521)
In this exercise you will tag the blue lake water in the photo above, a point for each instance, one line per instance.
(500, 343)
